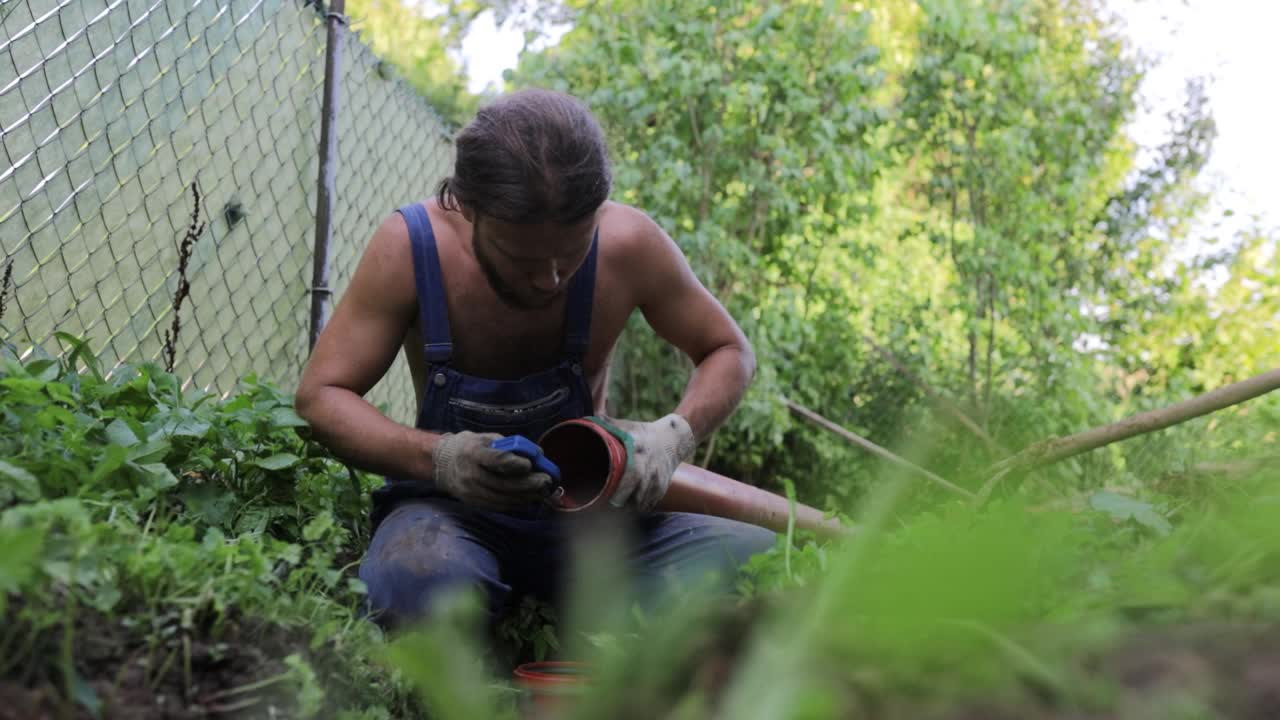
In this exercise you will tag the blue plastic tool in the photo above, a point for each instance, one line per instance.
(525, 447)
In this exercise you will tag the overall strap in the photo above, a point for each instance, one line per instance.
(433, 308)
(582, 289)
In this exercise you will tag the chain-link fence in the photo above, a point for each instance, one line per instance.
(111, 110)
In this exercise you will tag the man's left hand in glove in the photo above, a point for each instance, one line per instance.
(655, 451)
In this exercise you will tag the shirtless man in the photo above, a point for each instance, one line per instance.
(508, 292)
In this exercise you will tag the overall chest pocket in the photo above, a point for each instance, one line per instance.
(525, 418)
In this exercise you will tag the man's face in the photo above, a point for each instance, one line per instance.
(529, 265)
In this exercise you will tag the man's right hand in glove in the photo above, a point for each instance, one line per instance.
(482, 477)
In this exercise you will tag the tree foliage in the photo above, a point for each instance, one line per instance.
(749, 133)
(951, 180)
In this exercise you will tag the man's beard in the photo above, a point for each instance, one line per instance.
(504, 291)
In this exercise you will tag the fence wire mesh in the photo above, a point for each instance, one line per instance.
(111, 110)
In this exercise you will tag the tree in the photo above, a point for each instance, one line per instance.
(1013, 111)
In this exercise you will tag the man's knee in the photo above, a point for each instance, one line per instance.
(418, 556)
(739, 540)
(753, 540)
(688, 546)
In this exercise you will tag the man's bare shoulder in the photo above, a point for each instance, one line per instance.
(630, 234)
(448, 225)
(386, 269)
(638, 255)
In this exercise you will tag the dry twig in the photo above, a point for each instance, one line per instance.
(5, 284)
(184, 285)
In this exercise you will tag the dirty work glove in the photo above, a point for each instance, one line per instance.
(656, 450)
(471, 471)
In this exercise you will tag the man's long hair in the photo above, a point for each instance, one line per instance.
(531, 156)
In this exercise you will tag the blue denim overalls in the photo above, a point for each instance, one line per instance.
(454, 401)
(425, 541)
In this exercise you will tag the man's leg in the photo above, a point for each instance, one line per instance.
(690, 550)
(425, 548)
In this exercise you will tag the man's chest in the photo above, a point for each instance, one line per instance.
(492, 341)
(495, 341)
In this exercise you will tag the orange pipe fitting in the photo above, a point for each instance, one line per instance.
(591, 462)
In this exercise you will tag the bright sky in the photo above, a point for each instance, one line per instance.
(489, 50)
(1233, 42)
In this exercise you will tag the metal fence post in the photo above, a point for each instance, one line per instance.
(320, 291)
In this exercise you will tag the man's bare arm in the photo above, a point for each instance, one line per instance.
(357, 346)
(684, 313)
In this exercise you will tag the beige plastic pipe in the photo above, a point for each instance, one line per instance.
(696, 490)
(591, 462)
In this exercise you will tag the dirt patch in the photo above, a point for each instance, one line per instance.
(23, 703)
(1193, 670)
(1203, 670)
(160, 672)
(1234, 670)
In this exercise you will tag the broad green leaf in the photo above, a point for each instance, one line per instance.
(24, 390)
(177, 425)
(60, 392)
(25, 485)
(59, 570)
(212, 503)
(113, 458)
(149, 452)
(1122, 507)
(105, 596)
(213, 538)
(253, 520)
(286, 417)
(20, 559)
(157, 473)
(44, 370)
(56, 416)
(318, 526)
(121, 434)
(85, 696)
(279, 461)
(291, 553)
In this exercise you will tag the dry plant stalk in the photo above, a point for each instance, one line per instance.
(5, 284)
(1055, 449)
(852, 438)
(184, 285)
